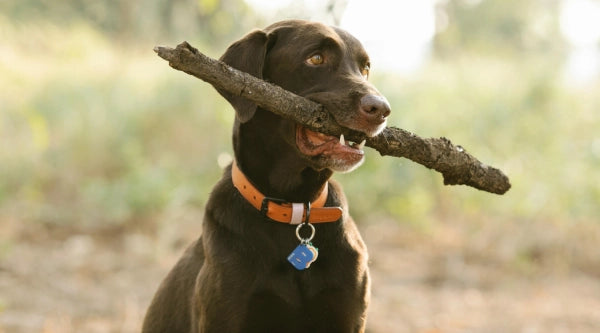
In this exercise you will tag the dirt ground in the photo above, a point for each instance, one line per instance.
(448, 280)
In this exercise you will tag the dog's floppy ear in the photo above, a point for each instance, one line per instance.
(248, 55)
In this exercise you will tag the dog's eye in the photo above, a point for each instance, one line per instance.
(365, 71)
(315, 59)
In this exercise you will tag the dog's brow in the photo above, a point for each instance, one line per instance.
(328, 41)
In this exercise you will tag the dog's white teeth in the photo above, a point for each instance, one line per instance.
(361, 145)
(342, 141)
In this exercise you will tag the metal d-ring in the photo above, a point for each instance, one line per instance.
(312, 233)
(307, 212)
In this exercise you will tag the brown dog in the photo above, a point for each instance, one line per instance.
(248, 271)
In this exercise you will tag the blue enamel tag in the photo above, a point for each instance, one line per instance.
(302, 256)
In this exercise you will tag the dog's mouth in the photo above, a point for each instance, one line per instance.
(342, 154)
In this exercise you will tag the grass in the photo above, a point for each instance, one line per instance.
(93, 135)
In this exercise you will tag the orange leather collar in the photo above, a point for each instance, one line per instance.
(280, 210)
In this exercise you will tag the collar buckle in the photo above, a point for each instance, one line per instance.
(264, 206)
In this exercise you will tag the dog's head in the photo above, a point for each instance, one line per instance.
(322, 63)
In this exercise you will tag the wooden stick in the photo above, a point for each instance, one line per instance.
(456, 165)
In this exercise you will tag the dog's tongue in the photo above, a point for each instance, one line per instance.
(313, 143)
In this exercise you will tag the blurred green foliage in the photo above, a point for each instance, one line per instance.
(140, 21)
(96, 131)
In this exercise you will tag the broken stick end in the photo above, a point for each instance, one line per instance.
(496, 183)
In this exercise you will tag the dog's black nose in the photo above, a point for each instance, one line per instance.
(375, 108)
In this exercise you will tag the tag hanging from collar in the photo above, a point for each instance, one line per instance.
(305, 253)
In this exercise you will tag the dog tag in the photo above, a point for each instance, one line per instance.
(302, 256)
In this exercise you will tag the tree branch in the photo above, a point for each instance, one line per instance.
(453, 162)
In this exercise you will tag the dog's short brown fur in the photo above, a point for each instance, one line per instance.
(235, 277)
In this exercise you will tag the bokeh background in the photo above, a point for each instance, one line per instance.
(107, 156)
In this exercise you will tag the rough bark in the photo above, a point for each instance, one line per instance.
(456, 165)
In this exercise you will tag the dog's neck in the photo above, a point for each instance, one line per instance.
(288, 181)
(273, 166)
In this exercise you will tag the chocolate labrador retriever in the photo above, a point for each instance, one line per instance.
(278, 251)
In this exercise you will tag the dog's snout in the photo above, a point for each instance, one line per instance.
(375, 108)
